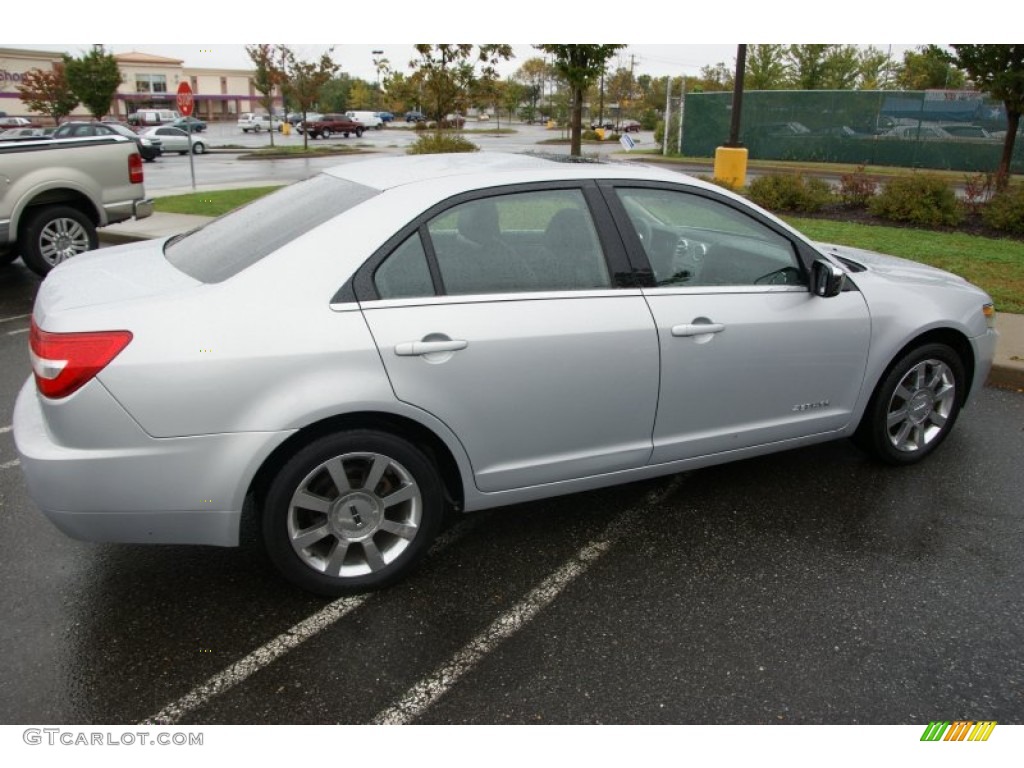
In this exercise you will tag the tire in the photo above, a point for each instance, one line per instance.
(326, 133)
(914, 407)
(199, 148)
(256, 128)
(336, 537)
(359, 133)
(54, 234)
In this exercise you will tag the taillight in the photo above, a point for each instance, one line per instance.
(64, 362)
(135, 168)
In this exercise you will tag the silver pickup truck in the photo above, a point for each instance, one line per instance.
(55, 193)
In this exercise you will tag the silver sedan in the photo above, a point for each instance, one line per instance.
(339, 365)
(175, 139)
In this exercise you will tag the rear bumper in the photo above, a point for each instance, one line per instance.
(127, 209)
(132, 488)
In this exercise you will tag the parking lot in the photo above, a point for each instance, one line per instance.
(807, 587)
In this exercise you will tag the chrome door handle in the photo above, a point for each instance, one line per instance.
(416, 348)
(697, 329)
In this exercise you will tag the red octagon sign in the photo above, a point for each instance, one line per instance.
(185, 102)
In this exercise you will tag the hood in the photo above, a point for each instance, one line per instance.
(858, 260)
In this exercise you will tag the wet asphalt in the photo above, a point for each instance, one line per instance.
(811, 586)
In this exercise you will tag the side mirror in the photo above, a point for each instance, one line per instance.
(827, 280)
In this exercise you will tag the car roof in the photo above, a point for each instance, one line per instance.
(487, 169)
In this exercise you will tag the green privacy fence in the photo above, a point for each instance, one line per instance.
(948, 130)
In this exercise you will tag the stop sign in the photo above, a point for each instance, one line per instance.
(185, 102)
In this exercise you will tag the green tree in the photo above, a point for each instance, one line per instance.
(47, 91)
(94, 78)
(360, 95)
(808, 66)
(766, 68)
(512, 95)
(447, 72)
(268, 77)
(334, 94)
(579, 66)
(302, 80)
(534, 74)
(714, 77)
(842, 68)
(873, 66)
(929, 67)
(998, 70)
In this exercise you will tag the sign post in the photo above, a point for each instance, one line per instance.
(186, 104)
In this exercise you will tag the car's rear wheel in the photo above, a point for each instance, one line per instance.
(915, 406)
(199, 148)
(359, 133)
(352, 511)
(55, 234)
(326, 133)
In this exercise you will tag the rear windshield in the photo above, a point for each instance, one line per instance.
(226, 246)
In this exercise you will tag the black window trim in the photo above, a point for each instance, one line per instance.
(361, 287)
(805, 254)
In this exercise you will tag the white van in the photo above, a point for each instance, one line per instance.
(368, 119)
(148, 117)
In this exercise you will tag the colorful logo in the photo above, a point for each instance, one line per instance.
(958, 730)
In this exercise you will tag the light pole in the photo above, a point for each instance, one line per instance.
(377, 63)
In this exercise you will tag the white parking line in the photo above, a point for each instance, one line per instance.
(6, 429)
(10, 464)
(20, 330)
(266, 654)
(13, 317)
(422, 695)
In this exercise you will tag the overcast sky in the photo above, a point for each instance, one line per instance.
(678, 39)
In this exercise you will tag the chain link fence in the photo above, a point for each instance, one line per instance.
(947, 130)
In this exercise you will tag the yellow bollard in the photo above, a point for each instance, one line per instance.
(286, 128)
(600, 133)
(731, 166)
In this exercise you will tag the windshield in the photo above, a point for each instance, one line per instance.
(226, 246)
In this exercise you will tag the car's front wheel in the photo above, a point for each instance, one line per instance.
(199, 148)
(352, 511)
(915, 406)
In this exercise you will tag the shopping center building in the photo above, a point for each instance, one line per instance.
(148, 81)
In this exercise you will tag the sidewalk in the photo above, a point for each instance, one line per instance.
(1007, 369)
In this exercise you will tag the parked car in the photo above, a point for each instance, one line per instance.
(174, 139)
(149, 147)
(358, 354)
(311, 117)
(330, 124)
(198, 126)
(16, 122)
(386, 117)
(630, 126)
(607, 125)
(415, 117)
(18, 134)
(255, 122)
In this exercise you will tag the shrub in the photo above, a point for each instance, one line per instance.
(790, 192)
(856, 189)
(919, 199)
(589, 136)
(439, 143)
(1005, 211)
(978, 190)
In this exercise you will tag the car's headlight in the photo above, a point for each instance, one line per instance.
(989, 310)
